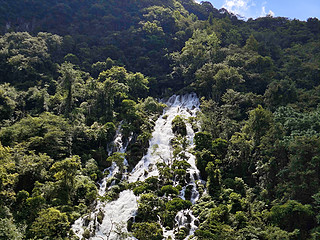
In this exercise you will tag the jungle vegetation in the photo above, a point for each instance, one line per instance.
(71, 71)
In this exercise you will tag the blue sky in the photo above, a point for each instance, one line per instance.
(299, 9)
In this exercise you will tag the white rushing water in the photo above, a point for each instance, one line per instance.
(118, 212)
(116, 146)
(185, 106)
(160, 149)
(115, 217)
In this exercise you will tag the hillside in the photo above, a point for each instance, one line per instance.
(190, 122)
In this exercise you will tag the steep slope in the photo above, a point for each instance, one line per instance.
(83, 133)
(110, 220)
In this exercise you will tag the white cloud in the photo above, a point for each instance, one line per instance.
(238, 6)
(271, 13)
(247, 8)
(264, 13)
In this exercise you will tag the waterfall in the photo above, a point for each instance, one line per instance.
(113, 215)
(116, 146)
(117, 213)
(160, 149)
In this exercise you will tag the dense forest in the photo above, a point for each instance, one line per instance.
(75, 73)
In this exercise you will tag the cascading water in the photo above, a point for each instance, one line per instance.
(113, 215)
(160, 149)
(185, 106)
(117, 213)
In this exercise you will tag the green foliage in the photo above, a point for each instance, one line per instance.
(149, 185)
(32, 167)
(26, 59)
(50, 223)
(91, 169)
(129, 111)
(225, 77)
(202, 141)
(316, 198)
(280, 93)
(293, 215)
(8, 230)
(150, 105)
(63, 97)
(65, 172)
(85, 189)
(9, 99)
(199, 49)
(214, 179)
(146, 230)
(203, 158)
(8, 177)
(179, 126)
(251, 44)
(219, 147)
(138, 85)
(70, 82)
(260, 120)
(177, 204)
(47, 133)
(149, 207)
(118, 158)
(169, 190)
(208, 153)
